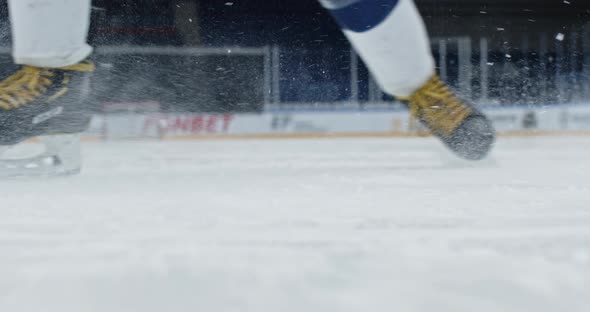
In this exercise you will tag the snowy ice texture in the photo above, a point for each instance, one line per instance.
(302, 225)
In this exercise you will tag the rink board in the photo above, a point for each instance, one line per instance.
(550, 120)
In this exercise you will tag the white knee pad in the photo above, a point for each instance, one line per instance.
(49, 33)
(397, 51)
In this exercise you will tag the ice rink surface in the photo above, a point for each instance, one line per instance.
(302, 225)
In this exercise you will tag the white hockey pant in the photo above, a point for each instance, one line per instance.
(396, 49)
(49, 33)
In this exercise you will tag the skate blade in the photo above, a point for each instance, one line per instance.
(59, 156)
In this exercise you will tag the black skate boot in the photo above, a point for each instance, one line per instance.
(48, 103)
(466, 131)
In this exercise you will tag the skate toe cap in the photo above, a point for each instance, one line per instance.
(473, 139)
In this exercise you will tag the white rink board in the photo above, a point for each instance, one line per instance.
(179, 125)
(126, 126)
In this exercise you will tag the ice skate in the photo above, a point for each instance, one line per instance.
(466, 131)
(48, 103)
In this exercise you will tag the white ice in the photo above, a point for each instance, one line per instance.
(302, 225)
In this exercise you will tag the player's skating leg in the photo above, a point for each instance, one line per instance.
(45, 94)
(390, 37)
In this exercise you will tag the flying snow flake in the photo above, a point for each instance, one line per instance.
(500, 29)
(566, 2)
(560, 37)
(229, 3)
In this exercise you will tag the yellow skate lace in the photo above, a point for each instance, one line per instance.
(437, 106)
(24, 86)
(29, 83)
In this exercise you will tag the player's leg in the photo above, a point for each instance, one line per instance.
(45, 94)
(390, 37)
(49, 33)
